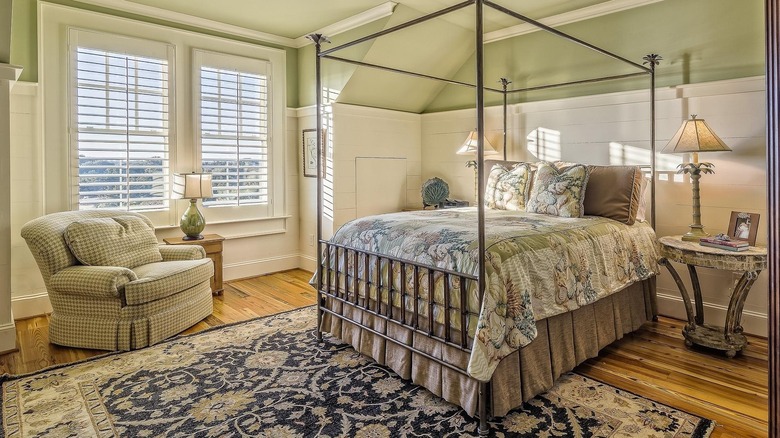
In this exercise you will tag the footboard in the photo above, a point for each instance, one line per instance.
(424, 300)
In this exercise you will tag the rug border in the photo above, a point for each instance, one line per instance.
(5, 377)
(701, 430)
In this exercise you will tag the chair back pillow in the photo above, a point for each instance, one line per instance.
(125, 241)
(614, 192)
(558, 192)
(508, 188)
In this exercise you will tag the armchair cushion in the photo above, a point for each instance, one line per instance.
(159, 280)
(125, 241)
(182, 252)
(92, 281)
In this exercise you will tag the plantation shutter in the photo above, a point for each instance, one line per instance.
(120, 125)
(234, 129)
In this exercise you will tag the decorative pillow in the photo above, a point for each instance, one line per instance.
(507, 189)
(125, 241)
(641, 212)
(558, 192)
(614, 192)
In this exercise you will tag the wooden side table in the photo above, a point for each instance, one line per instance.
(212, 243)
(751, 262)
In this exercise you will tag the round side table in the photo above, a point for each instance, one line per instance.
(750, 262)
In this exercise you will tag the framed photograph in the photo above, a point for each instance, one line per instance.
(744, 226)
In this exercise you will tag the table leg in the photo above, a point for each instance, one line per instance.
(697, 294)
(683, 292)
(737, 302)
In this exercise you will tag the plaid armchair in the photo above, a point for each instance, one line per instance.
(115, 307)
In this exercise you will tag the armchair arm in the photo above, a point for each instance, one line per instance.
(182, 252)
(92, 281)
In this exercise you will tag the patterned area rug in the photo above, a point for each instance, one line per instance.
(270, 378)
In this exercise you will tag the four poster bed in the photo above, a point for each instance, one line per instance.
(488, 316)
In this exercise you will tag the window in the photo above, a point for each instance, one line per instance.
(234, 131)
(127, 104)
(233, 109)
(120, 127)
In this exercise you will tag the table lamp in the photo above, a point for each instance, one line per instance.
(469, 147)
(192, 186)
(695, 136)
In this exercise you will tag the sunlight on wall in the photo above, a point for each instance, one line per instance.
(329, 96)
(666, 165)
(545, 144)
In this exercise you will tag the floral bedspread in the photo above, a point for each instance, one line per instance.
(537, 265)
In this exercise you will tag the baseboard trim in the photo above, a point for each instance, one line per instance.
(31, 305)
(8, 337)
(307, 262)
(251, 268)
(754, 323)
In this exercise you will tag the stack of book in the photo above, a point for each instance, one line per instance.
(728, 245)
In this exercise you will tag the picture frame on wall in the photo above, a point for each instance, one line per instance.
(310, 151)
(744, 226)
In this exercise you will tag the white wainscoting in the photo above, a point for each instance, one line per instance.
(613, 129)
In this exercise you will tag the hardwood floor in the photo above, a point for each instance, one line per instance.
(652, 362)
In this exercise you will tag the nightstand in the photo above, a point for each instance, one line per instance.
(212, 243)
(750, 263)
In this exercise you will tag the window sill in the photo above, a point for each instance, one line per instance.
(238, 228)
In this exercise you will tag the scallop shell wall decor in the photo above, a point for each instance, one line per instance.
(434, 191)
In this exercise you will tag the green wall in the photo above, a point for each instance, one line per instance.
(24, 40)
(700, 41)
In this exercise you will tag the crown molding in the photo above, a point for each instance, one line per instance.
(586, 13)
(350, 23)
(355, 21)
(190, 20)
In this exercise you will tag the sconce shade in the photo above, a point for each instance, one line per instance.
(694, 136)
(192, 185)
(470, 146)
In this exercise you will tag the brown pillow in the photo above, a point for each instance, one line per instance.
(614, 192)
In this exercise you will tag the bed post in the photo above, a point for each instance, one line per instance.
(318, 39)
(652, 59)
(480, 89)
(504, 84)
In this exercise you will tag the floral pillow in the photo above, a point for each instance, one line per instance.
(558, 192)
(507, 189)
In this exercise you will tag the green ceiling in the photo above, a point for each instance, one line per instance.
(701, 40)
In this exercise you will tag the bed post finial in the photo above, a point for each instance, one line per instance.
(653, 59)
(317, 38)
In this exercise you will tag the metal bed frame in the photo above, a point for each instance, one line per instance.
(330, 275)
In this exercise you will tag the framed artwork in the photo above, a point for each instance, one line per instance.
(310, 151)
(743, 226)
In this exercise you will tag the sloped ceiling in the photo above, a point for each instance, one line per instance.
(437, 48)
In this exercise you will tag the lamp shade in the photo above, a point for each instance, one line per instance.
(694, 136)
(192, 185)
(470, 146)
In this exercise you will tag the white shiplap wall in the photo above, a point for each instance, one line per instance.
(734, 110)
